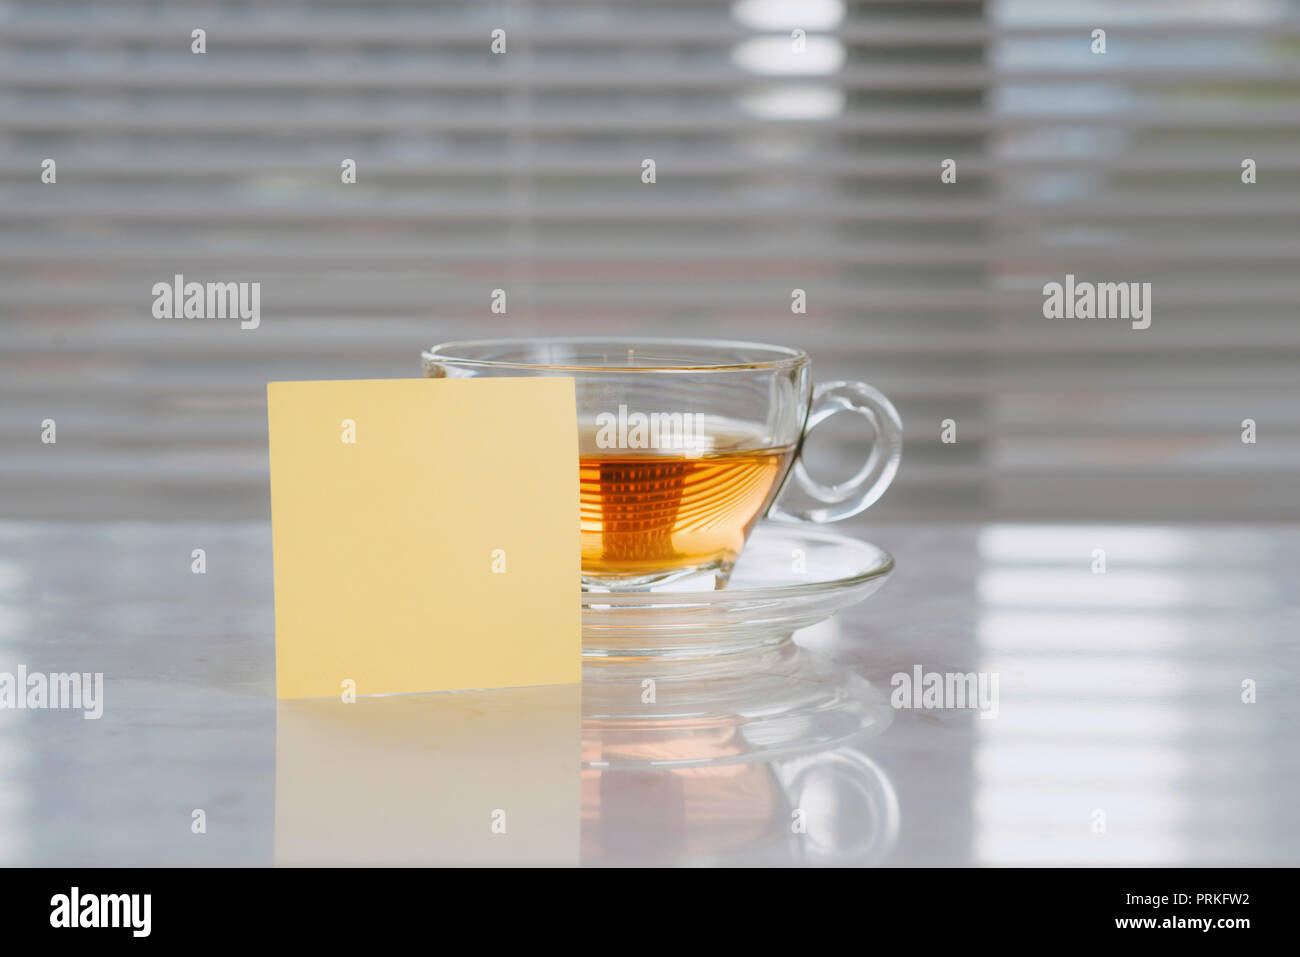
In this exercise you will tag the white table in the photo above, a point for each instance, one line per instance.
(1121, 735)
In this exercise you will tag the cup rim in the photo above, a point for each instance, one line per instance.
(781, 356)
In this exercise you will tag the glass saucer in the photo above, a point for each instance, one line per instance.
(789, 576)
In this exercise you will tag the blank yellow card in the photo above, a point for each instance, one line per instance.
(426, 534)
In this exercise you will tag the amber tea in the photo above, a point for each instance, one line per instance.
(644, 513)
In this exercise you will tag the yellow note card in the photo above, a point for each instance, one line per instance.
(426, 534)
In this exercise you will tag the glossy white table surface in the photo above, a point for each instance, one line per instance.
(1121, 734)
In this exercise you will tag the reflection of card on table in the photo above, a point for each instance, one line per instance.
(485, 777)
(426, 534)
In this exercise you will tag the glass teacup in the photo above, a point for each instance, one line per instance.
(684, 444)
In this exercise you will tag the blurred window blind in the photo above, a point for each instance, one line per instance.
(777, 169)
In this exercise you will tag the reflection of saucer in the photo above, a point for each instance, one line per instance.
(788, 577)
(751, 759)
(773, 702)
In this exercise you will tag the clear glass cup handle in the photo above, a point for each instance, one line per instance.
(804, 498)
